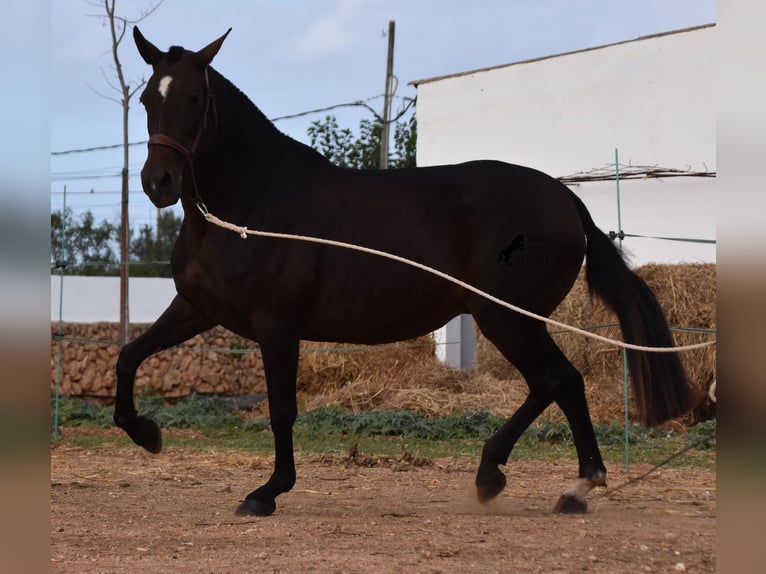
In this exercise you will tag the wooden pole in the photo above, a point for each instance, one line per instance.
(384, 135)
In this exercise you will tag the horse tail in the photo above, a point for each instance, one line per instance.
(659, 383)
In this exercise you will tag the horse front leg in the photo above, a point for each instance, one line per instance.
(179, 322)
(280, 365)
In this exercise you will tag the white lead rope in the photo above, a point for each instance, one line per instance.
(244, 232)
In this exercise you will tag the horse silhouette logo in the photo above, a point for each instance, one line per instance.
(516, 245)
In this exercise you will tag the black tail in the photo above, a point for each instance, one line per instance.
(659, 382)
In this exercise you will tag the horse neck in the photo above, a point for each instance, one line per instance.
(245, 145)
(245, 134)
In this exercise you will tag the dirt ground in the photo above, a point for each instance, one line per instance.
(119, 510)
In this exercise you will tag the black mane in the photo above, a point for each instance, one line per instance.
(174, 54)
(268, 134)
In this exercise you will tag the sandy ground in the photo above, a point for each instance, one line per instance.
(119, 510)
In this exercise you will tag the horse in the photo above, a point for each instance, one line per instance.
(214, 151)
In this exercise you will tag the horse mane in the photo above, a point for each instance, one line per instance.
(244, 109)
(174, 54)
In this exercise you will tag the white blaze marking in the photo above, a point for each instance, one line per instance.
(164, 86)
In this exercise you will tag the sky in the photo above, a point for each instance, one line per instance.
(292, 56)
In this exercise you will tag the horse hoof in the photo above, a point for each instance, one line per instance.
(147, 433)
(570, 504)
(253, 507)
(489, 483)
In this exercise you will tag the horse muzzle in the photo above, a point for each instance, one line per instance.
(161, 185)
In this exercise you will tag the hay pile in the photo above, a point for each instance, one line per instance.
(406, 376)
(409, 377)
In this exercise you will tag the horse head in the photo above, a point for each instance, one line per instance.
(180, 112)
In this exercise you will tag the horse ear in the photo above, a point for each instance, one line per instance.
(206, 54)
(149, 52)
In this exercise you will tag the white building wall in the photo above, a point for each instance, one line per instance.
(652, 98)
(95, 299)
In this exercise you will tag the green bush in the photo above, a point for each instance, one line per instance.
(465, 424)
(551, 432)
(703, 434)
(77, 412)
(194, 411)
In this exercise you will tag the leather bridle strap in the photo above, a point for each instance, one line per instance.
(162, 139)
(167, 141)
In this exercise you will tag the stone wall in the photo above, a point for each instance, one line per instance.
(215, 362)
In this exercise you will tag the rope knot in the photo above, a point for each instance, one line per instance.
(243, 232)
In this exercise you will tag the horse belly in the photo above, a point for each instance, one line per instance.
(378, 311)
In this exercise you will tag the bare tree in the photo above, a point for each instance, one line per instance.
(118, 25)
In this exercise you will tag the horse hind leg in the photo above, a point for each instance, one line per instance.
(570, 397)
(514, 336)
(490, 480)
(550, 377)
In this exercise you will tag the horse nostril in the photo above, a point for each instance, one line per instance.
(163, 180)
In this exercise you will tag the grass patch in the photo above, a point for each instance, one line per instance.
(333, 430)
(459, 425)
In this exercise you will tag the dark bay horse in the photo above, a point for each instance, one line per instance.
(209, 145)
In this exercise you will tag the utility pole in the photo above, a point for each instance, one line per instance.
(384, 136)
